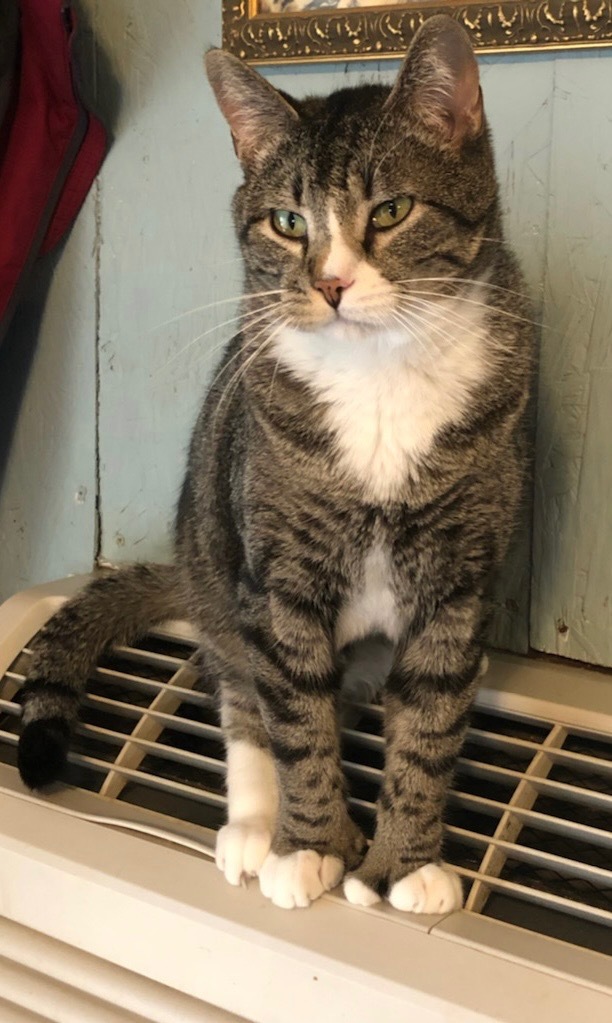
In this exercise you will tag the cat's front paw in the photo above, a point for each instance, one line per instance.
(430, 889)
(242, 848)
(297, 879)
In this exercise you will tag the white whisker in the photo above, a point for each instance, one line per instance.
(368, 159)
(410, 327)
(390, 150)
(243, 348)
(439, 311)
(437, 315)
(476, 302)
(221, 301)
(475, 282)
(432, 329)
(256, 316)
(493, 349)
(465, 325)
(243, 368)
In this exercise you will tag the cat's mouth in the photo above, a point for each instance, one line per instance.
(358, 317)
(362, 316)
(365, 319)
(338, 320)
(350, 326)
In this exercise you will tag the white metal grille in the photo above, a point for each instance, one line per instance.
(529, 820)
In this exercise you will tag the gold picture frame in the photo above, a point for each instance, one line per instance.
(373, 33)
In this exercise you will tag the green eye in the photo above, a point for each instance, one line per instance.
(391, 212)
(290, 225)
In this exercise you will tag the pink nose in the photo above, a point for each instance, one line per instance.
(331, 288)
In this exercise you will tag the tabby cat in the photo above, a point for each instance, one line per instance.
(353, 477)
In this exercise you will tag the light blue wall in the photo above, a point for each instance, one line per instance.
(162, 249)
(47, 420)
(572, 583)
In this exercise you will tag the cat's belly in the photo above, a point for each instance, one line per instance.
(372, 606)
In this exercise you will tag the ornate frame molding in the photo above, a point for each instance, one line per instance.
(372, 34)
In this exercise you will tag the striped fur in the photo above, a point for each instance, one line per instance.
(352, 472)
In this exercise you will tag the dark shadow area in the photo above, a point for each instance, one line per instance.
(96, 81)
(18, 349)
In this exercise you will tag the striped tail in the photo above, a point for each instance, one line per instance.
(113, 609)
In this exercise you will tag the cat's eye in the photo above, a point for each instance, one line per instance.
(391, 212)
(289, 224)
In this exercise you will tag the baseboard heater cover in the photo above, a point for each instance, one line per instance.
(116, 864)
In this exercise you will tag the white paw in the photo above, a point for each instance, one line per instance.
(298, 879)
(358, 893)
(242, 848)
(430, 889)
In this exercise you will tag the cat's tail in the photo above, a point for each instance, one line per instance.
(113, 609)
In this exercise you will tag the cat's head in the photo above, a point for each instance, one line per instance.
(353, 200)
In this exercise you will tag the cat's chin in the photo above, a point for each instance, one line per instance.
(355, 331)
(349, 330)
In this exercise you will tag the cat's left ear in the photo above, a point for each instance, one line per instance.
(438, 86)
(257, 114)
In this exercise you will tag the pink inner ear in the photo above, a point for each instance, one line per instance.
(454, 109)
(464, 103)
(256, 113)
(467, 109)
(235, 109)
(439, 82)
(242, 127)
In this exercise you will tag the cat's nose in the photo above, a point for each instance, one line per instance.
(332, 289)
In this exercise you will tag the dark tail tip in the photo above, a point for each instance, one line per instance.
(42, 751)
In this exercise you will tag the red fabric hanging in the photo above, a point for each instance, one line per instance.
(53, 147)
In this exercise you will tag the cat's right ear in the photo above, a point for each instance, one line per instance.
(438, 86)
(258, 116)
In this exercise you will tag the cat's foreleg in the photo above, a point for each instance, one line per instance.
(429, 693)
(252, 790)
(315, 839)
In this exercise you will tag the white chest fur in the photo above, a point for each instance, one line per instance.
(371, 606)
(388, 395)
